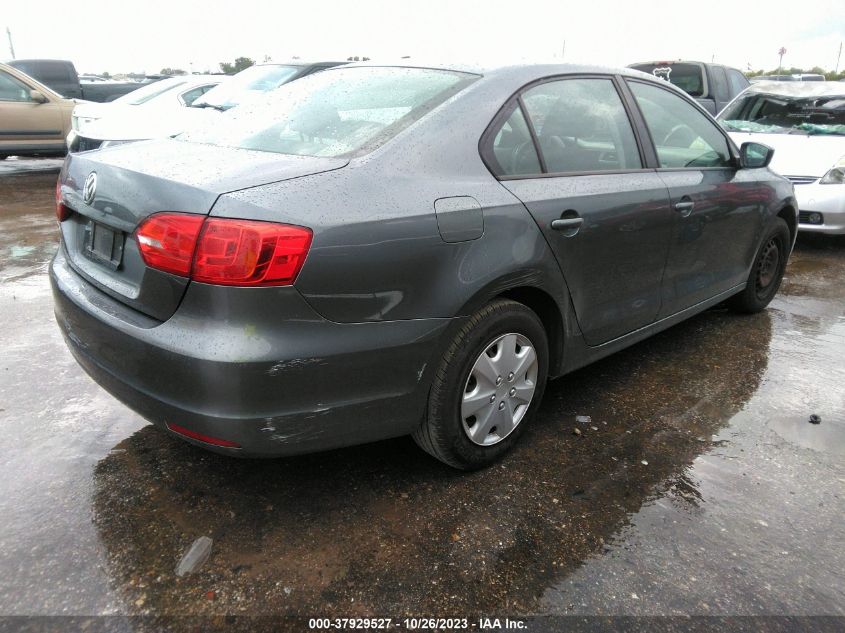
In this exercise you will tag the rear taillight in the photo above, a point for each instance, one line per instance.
(248, 253)
(62, 212)
(224, 251)
(167, 241)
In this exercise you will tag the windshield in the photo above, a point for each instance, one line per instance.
(336, 112)
(252, 81)
(148, 92)
(779, 114)
(688, 77)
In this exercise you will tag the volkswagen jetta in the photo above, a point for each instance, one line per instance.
(381, 250)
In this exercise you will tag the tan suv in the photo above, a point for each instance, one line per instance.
(34, 120)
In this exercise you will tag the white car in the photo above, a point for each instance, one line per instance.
(805, 124)
(156, 109)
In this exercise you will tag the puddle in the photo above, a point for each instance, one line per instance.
(827, 437)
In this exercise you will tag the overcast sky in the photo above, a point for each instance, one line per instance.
(136, 35)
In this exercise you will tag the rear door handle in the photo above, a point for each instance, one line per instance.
(566, 224)
(685, 206)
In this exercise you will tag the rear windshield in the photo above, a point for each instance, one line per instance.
(778, 114)
(241, 88)
(688, 77)
(335, 112)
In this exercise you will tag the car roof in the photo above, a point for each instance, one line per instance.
(798, 88)
(528, 70)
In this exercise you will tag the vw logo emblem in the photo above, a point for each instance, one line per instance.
(89, 189)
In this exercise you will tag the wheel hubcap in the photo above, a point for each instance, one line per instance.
(499, 389)
(767, 267)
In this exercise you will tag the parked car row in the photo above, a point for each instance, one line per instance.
(178, 104)
(61, 76)
(149, 112)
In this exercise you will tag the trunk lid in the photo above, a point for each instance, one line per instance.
(132, 182)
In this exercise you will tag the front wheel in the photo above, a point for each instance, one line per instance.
(767, 271)
(488, 385)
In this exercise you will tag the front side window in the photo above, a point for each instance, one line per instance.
(12, 89)
(682, 135)
(581, 126)
(335, 113)
(782, 114)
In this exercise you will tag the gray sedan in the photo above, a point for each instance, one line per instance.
(378, 251)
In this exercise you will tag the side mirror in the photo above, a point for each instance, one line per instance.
(37, 96)
(755, 155)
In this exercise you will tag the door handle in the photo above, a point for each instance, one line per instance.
(684, 206)
(567, 224)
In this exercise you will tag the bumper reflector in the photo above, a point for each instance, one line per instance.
(215, 441)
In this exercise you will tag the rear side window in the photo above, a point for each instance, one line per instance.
(513, 148)
(682, 135)
(581, 125)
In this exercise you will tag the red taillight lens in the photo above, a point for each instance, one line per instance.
(248, 253)
(62, 212)
(216, 441)
(167, 241)
(224, 251)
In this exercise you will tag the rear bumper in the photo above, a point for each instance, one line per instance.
(254, 366)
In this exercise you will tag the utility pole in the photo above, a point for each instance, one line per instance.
(781, 52)
(563, 51)
(838, 57)
(11, 47)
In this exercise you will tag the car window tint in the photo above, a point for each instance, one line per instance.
(581, 125)
(682, 135)
(513, 148)
(11, 89)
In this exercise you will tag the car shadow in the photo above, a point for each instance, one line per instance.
(385, 529)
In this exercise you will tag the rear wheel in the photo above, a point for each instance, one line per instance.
(487, 387)
(767, 271)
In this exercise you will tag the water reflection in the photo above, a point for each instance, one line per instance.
(384, 529)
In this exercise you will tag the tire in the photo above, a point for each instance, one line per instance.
(511, 331)
(767, 271)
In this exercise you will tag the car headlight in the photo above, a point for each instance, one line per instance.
(836, 175)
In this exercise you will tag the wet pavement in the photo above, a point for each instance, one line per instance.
(697, 487)
(20, 165)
